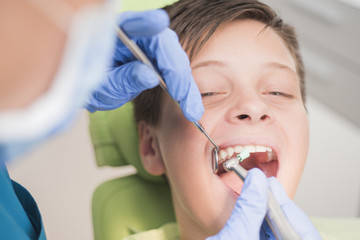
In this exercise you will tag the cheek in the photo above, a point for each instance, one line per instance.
(300, 132)
(175, 129)
(295, 151)
(185, 153)
(179, 140)
(296, 132)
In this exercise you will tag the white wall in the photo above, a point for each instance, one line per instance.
(330, 185)
(331, 181)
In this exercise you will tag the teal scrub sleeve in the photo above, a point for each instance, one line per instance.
(19, 215)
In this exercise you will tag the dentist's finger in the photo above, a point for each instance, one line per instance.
(143, 24)
(123, 84)
(297, 218)
(174, 66)
(250, 209)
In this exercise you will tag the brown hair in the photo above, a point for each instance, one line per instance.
(195, 21)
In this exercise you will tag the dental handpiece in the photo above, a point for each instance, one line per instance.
(139, 54)
(275, 217)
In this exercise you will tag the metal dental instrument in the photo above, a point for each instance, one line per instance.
(138, 53)
(275, 217)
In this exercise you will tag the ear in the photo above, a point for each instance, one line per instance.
(149, 149)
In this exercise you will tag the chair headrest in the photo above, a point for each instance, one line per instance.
(115, 140)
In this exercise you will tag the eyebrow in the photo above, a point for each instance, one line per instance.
(277, 65)
(270, 65)
(209, 63)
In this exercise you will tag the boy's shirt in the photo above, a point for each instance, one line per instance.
(168, 231)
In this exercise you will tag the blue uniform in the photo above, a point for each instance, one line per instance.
(19, 215)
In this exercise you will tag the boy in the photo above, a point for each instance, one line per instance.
(247, 66)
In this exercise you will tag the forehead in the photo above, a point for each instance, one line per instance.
(245, 41)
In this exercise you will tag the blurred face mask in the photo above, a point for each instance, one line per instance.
(87, 54)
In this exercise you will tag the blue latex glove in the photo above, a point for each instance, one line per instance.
(247, 219)
(129, 77)
(297, 218)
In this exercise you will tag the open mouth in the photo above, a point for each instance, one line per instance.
(261, 157)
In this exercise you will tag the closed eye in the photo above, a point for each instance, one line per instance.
(281, 94)
(208, 94)
(212, 98)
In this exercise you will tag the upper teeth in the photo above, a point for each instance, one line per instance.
(229, 152)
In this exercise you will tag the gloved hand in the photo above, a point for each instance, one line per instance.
(129, 77)
(247, 219)
(297, 218)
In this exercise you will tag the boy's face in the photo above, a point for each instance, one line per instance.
(252, 97)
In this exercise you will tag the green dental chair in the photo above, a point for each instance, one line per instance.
(131, 204)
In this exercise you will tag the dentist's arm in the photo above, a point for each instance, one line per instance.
(247, 218)
(129, 77)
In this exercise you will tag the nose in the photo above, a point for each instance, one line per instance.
(246, 116)
(250, 108)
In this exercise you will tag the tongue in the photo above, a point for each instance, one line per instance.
(260, 160)
(256, 160)
(232, 181)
